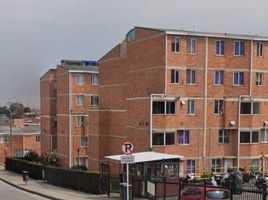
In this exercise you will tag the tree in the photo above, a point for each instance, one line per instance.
(16, 110)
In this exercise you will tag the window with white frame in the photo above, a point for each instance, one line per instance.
(80, 79)
(183, 136)
(192, 45)
(218, 107)
(37, 138)
(219, 47)
(190, 166)
(224, 136)
(163, 139)
(4, 139)
(84, 141)
(80, 100)
(79, 121)
(250, 108)
(175, 45)
(260, 49)
(191, 76)
(175, 76)
(94, 100)
(191, 107)
(254, 165)
(264, 135)
(248, 137)
(216, 165)
(94, 79)
(259, 78)
(239, 48)
(219, 77)
(164, 107)
(238, 78)
(81, 161)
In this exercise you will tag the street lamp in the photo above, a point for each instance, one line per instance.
(261, 159)
(10, 131)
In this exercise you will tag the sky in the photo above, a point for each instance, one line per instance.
(35, 35)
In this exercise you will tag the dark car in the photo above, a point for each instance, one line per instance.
(197, 193)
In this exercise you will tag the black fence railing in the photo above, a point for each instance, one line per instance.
(86, 181)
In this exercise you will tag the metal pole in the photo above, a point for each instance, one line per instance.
(11, 134)
(127, 181)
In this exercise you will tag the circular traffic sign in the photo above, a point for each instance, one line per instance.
(127, 148)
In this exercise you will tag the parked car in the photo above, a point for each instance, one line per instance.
(212, 193)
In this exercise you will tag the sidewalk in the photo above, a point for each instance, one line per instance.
(45, 190)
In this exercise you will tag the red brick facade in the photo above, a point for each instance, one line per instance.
(196, 99)
(60, 110)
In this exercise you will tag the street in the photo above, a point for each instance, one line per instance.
(8, 192)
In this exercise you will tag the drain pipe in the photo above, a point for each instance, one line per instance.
(251, 69)
(70, 122)
(205, 106)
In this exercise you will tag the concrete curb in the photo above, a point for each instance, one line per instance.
(31, 191)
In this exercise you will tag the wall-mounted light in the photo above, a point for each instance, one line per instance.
(232, 123)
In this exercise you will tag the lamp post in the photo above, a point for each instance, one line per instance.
(10, 131)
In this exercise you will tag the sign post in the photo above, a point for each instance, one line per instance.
(127, 149)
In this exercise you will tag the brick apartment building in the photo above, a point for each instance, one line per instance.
(25, 137)
(199, 95)
(67, 93)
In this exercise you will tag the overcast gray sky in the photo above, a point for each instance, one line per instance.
(36, 34)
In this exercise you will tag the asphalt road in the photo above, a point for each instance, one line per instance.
(8, 192)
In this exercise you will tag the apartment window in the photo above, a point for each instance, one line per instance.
(218, 107)
(264, 135)
(94, 100)
(84, 141)
(81, 161)
(248, 137)
(191, 107)
(175, 46)
(254, 165)
(164, 107)
(259, 78)
(184, 136)
(80, 100)
(95, 79)
(80, 79)
(192, 45)
(175, 76)
(249, 108)
(219, 76)
(6, 138)
(219, 48)
(79, 121)
(191, 76)
(18, 153)
(216, 165)
(238, 78)
(259, 49)
(224, 136)
(38, 138)
(190, 166)
(164, 139)
(239, 48)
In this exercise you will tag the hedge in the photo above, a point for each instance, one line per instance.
(74, 179)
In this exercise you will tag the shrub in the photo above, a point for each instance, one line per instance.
(32, 156)
(79, 167)
(49, 160)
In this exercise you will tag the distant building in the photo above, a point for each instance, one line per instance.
(67, 93)
(21, 140)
